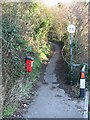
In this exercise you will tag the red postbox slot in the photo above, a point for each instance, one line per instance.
(28, 62)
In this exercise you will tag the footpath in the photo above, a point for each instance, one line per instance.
(53, 102)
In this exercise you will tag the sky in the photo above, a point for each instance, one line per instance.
(48, 2)
(54, 2)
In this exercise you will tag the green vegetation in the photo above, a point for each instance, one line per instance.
(9, 110)
(25, 28)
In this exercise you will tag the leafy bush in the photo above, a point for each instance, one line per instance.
(73, 77)
(19, 41)
(9, 110)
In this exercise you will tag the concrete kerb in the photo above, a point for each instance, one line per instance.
(85, 115)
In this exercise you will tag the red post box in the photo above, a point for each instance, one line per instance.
(29, 63)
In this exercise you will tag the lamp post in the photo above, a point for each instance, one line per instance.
(71, 30)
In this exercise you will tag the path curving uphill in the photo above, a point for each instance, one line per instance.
(51, 101)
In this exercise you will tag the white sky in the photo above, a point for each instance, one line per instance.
(48, 2)
(54, 2)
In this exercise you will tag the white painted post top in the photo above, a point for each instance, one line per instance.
(83, 69)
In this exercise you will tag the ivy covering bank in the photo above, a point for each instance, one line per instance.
(25, 28)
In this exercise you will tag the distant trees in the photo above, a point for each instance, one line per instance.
(64, 15)
(78, 15)
(60, 22)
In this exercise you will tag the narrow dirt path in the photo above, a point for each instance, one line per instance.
(51, 101)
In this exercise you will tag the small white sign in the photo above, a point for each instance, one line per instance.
(82, 83)
(71, 28)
